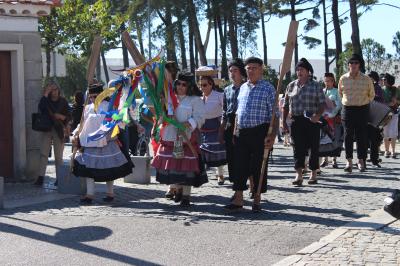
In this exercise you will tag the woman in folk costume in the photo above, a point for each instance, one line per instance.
(212, 150)
(177, 159)
(332, 113)
(98, 160)
(390, 131)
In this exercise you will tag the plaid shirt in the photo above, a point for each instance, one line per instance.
(306, 98)
(230, 103)
(356, 91)
(255, 104)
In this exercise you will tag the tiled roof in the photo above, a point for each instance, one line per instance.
(33, 2)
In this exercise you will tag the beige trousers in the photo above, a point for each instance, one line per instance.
(45, 144)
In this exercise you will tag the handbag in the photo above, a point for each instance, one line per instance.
(41, 122)
(392, 204)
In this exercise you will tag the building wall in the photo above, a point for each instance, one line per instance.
(32, 60)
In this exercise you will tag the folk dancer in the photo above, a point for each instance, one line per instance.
(304, 102)
(182, 168)
(256, 101)
(98, 160)
(356, 91)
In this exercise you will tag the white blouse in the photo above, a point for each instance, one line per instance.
(214, 104)
(92, 122)
(190, 109)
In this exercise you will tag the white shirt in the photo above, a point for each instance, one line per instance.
(190, 109)
(214, 104)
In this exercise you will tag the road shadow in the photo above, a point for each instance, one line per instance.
(71, 238)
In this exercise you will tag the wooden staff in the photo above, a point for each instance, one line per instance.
(286, 63)
(94, 57)
(134, 52)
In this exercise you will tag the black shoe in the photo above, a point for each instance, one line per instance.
(39, 181)
(108, 199)
(86, 200)
(56, 183)
(178, 197)
(335, 165)
(169, 195)
(221, 182)
(377, 165)
(251, 195)
(312, 181)
(256, 208)
(298, 183)
(394, 156)
(185, 202)
(348, 169)
(324, 163)
(233, 208)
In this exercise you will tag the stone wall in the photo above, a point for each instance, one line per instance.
(33, 83)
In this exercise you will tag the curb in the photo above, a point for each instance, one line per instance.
(374, 221)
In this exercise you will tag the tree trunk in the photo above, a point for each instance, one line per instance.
(98, 70)
(325, 38)
(196, 56)
(338, 37)
(103, 59)
(48, 61)
(222, 37)
(124, 49)
(355, 34)
(181, 37)
(170, 41)
(191, 48)
(232, 30)
(216, 42)
(196, 32)
(293, 15)
(139, 30)
(263, 33)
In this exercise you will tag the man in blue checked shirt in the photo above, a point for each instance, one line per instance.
(253, 116)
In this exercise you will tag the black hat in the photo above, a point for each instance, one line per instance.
(237, 62)
(374, 75)
(356, 57)
(305, 64)
(253, 60)
(390, 79)
(95, 88)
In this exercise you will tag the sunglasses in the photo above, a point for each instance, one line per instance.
(178, 83)
(354, 62)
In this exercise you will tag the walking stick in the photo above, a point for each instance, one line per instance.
(286, 63)
(94, 57)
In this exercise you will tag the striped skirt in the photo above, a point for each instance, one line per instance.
(212, 151)
(102, 164)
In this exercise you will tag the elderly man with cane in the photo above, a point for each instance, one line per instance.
(253, 116)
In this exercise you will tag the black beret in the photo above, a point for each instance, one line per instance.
(253, 60)
(305, 64)
(356, 57)
(237, 62)
(374, 75)
(390, 79)
(96, 88)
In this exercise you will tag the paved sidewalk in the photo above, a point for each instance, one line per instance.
(373, 240)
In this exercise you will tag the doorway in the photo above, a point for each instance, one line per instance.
(6, 132)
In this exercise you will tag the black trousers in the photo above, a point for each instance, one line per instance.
(374, 140)
(230, 152)
(355, 122)
(305, 136)
(249, 152)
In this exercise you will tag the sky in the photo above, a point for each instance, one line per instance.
(380, 24)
